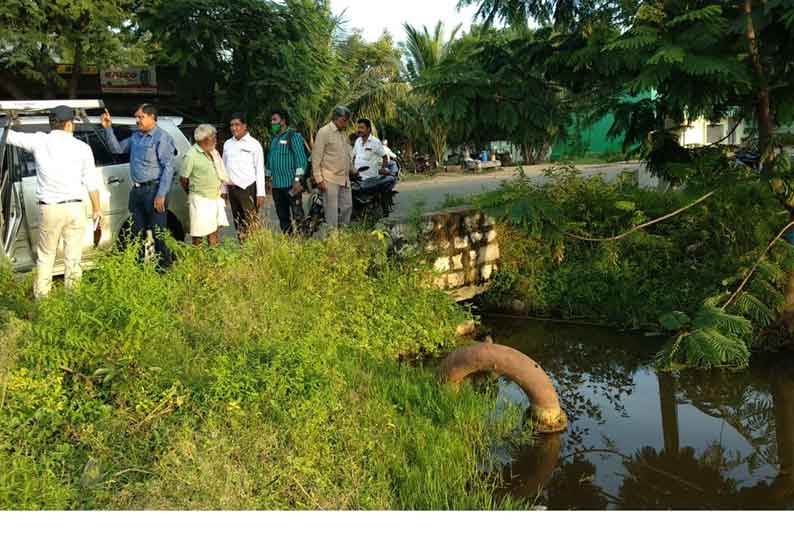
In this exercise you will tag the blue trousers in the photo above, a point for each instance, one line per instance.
(144, 217)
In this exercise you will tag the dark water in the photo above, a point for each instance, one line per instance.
(642, 440)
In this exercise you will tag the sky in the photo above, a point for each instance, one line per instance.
(373, 16)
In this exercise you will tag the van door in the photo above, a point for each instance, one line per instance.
(11, 212)
(115, 173)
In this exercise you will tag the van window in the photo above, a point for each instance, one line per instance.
(27, 164)
(96, 140)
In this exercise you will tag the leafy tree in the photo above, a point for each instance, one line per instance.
(562, 14)
(425, 51)
(490, 88)
(364, 77)
(37, 34)
(251, 54)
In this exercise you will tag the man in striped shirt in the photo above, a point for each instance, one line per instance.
(286, 164)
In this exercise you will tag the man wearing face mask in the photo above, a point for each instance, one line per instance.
(244, 159)
(286, 164)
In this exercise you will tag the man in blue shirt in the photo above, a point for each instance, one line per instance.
(152, 152)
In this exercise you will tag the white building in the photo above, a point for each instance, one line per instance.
(701, 131)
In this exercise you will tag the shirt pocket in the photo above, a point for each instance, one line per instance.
(147, 150)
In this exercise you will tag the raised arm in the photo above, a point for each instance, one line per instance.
(113, 143)
(23, 141)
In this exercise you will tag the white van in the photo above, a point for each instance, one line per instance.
(20, 216)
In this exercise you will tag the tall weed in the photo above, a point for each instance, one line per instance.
(267, 377)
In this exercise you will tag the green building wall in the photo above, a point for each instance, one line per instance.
(588, 141)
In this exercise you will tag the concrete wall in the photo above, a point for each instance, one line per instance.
(464, 245)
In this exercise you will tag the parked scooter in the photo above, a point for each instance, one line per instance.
(373, 200)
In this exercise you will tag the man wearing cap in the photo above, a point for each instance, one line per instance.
(152, 152)
(64, 170)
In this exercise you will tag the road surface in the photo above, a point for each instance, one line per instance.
(432, 194)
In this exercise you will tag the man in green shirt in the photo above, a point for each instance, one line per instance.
(286, 164)
(203, 176)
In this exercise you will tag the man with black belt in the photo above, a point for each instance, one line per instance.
(244, 159)
(64, 170)
(152, 152)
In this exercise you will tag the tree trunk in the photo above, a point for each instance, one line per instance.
(766, 129)
(763, 106)
(783, 396)
(77, 68)
(45, 67)
(12, 88)
(526, 150)
(409, 151)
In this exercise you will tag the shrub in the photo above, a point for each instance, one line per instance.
(267, 377)
(671, 266)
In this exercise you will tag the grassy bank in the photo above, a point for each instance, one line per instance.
(635, 282)
(284, 376)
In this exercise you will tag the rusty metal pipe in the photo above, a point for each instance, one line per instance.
(547, 415)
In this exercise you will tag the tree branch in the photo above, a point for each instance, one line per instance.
(641, 226)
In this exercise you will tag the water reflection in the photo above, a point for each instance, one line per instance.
(641, 440)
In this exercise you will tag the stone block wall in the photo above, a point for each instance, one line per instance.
(463, 242)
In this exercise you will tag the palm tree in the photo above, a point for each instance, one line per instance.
(514, 13)
(425, 51)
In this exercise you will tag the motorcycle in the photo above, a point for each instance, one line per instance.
(748, 158)
(373, 200)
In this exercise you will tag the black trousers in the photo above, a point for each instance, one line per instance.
(244, 211)
(144, 217)
(288, 208)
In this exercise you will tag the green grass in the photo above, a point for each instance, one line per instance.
(286, 375)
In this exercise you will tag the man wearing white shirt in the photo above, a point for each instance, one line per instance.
(64, 170)
(369, 153)
(244, 159)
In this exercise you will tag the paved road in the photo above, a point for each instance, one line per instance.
(432, 194)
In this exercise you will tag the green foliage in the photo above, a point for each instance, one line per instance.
(283, 375)
(38, 33)
(722, 333)
(660, 273)
(425, 51)
(490, 87)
